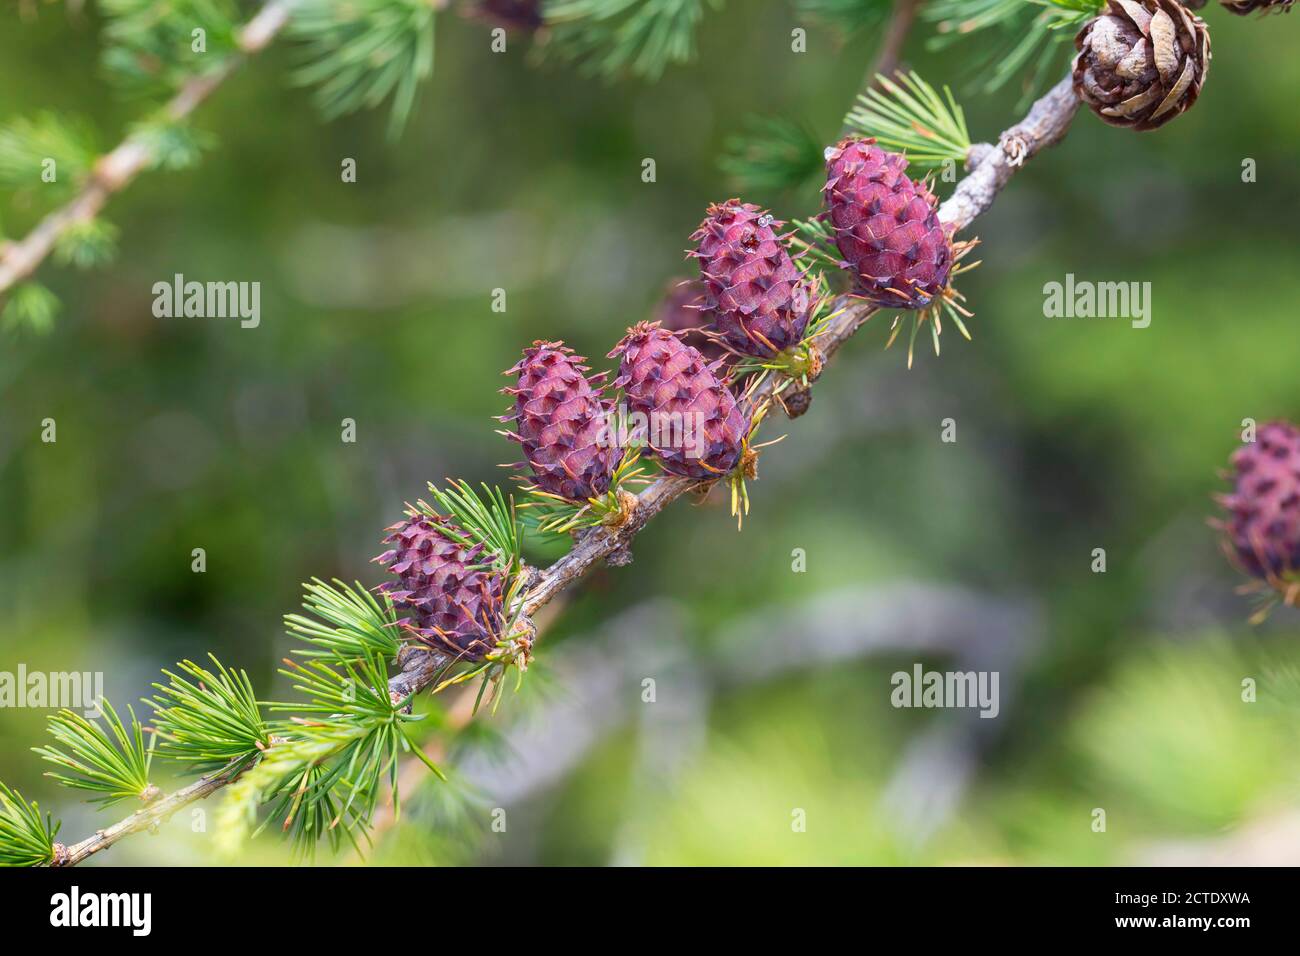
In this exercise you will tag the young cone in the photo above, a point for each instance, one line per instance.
(1142, 62)
(562, 422)
(451, 600)
(886, 226)
(695, 428)
(757, 295)
(682, 309)
(1262, 527)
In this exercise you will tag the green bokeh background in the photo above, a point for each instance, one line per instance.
(1072, 435)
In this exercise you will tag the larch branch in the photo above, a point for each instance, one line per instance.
(990, 167)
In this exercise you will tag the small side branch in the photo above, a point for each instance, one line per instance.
(991, 167)
(151, 816)
(116, 170)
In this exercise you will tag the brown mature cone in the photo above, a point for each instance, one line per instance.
(1245, 7)
(1142, 62)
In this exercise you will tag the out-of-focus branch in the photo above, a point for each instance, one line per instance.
(600, 676)
(116, 170)
(891, 47)
(890, 51)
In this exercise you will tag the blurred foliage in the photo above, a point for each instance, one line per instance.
(1025, 42)
(174, 146)
(150, 48)
(1202, 770)
(87, 244)
(612, 38)
(849, 17)
(30, 307)
(1072, 434)
(358, 54)
(28, 147)
(773, 154)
